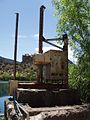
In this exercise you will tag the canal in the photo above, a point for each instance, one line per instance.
(3, 94)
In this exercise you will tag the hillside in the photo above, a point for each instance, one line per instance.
(25, 70)
(6, 60)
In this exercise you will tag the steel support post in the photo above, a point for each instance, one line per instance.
(15, 47)
(65, 49)
(41, 41)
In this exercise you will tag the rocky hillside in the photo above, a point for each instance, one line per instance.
(7, 60)
(23, 70)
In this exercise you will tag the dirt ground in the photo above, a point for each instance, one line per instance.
(77, 112)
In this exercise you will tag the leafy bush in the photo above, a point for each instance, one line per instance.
(80, 82)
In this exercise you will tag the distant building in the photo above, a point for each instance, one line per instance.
(27, 59)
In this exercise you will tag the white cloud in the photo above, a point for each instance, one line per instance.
(46, 49)
(20, 36)
(36, 35)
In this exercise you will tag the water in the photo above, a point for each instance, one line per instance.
(3, 88)
(3, 94)
(2, 99)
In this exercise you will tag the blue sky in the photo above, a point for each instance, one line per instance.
(28, 26)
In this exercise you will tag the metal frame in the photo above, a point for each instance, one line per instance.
(42, 39)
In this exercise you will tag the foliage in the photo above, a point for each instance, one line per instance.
(74, 19)
(80, 82)
(4, 75)
(25, 72)
(2, 118)
(29, 75)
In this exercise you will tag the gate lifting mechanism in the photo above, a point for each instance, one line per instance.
(64, 50)
(54, 68)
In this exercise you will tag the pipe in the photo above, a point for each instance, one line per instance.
(15, 47)
(24, 110)
(40, 76)
(65, 40)
(41, 28)
(65, 49)
(46, 41)
(54, 39)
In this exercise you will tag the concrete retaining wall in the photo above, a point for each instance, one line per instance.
(44, 98)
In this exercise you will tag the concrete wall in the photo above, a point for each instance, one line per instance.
(44, 98)
(58, 62)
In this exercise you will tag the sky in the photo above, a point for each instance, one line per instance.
(28, 26)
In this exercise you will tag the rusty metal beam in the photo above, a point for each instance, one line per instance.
(41, 28)
(54, 39)
(45, 40)
(65, 40)
(41, 41)
(65, 49)
(15, 47)
(48, 86)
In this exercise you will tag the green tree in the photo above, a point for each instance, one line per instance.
(80, 82)
(74, 19)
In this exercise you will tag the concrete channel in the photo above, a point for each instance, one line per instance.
(33, 102)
